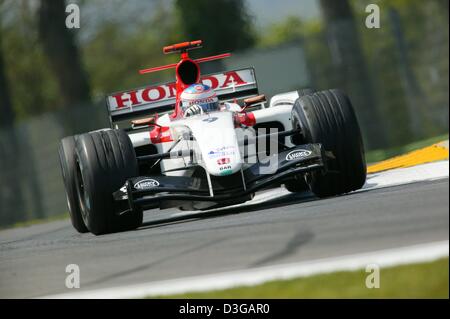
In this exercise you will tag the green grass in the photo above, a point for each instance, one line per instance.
(380, 155)
(36, 221)
(425, 280)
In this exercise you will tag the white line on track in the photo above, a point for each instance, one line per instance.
(249, 277)
(400, 176)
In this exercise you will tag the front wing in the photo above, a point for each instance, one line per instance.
(148, 191)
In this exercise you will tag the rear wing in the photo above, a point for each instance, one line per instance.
(148, 100)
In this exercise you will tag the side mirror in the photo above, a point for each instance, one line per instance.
(254, 100)
(149, 121)
(233, 107)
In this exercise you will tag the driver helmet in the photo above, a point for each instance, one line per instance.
(199, 98)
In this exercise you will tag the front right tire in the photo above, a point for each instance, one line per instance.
(298, 183)
(327, 117)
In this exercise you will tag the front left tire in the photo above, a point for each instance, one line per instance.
(105, 160)
(66, 153)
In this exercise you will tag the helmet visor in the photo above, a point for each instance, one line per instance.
(210, 107)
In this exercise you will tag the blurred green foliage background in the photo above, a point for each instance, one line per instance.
(53, 79)
(405, 62)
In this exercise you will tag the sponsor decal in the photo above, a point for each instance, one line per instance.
(201, 101)
(223, 161)
(146, 184)
(295, 154)
(223, 149)
(199, 88)
(221, 152)
(225, 170)
(210, 119)
(165, 92)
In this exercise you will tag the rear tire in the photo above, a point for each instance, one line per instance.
(105, 160)
(305, 91)
(66, 153)
(327, 117)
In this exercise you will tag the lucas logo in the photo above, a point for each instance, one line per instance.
(146, 183)
(210, 119)
(295, 154)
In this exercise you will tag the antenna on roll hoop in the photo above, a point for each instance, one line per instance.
(182, 47)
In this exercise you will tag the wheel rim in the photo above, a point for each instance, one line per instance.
(83, 197)
(297, 140)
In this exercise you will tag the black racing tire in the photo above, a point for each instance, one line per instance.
(305, 91)
(66, 153)
(327, 117)
(105, 160)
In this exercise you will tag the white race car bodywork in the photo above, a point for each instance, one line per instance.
(215, 137)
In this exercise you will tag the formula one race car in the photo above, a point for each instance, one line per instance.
(162, 153)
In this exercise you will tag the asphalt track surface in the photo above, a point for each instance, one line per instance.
(289, 228)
